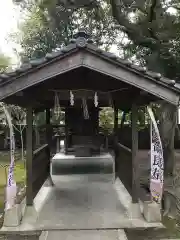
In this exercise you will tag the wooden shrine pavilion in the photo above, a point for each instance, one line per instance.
(82, 71)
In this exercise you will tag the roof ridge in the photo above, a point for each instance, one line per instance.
(82, 40)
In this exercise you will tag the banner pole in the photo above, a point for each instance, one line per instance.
(157, 161)
(11, 188)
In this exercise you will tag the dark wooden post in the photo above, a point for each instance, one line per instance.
(115, 123)
(95, 120)
(29, 157)
(48, 127)
(134, 126)
(48, 140)
(57, 143)
(66, 131)
(123, 120)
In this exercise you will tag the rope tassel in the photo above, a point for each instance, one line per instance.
(110, 101)
(85, 108)
(57, 108)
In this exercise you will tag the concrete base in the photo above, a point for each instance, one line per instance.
(13, 217)
(98, 206)
(123, 195)
(21, 214)
(96, 168)
(134, 212)
(151, 211)
(44, 235)
(30, 215)
(85, 234)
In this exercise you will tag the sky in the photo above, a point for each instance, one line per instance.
(9, 18)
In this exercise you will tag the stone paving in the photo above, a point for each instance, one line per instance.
(82, 207)
(79, 206)
(85, 207)
(87, 235)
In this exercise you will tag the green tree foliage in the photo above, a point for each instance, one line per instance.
(106, 120)
(4, 62)
(48, 26)
(157, 43)
(153, 31)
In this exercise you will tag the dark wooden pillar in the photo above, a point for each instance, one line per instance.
(49, 141)
(29, 157)
(66, 131)
(135, 188)
(123, 120)
(115, 122)
(48, 127)
(95, 120)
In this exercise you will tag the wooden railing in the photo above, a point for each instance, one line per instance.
(41, 167)
(121, 146)
(123, 163)
(124, 170)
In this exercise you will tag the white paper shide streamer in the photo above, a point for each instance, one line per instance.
(71, 98)
(157, 161)
(11, 188)
(96, 100)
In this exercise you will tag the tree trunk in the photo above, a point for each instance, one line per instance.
(168, 117)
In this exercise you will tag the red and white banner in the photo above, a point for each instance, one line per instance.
(11, 188)
(157, 161)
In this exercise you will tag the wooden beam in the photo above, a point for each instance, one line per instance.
(134, 118)
(38, 75)
(121, 146)
(132, 77)
(29, 158)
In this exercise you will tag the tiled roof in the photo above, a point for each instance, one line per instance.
(82, 40)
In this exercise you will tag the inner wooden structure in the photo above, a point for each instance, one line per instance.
(85, 70)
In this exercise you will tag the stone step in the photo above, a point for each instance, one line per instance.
(66, 165)
(84, 234)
